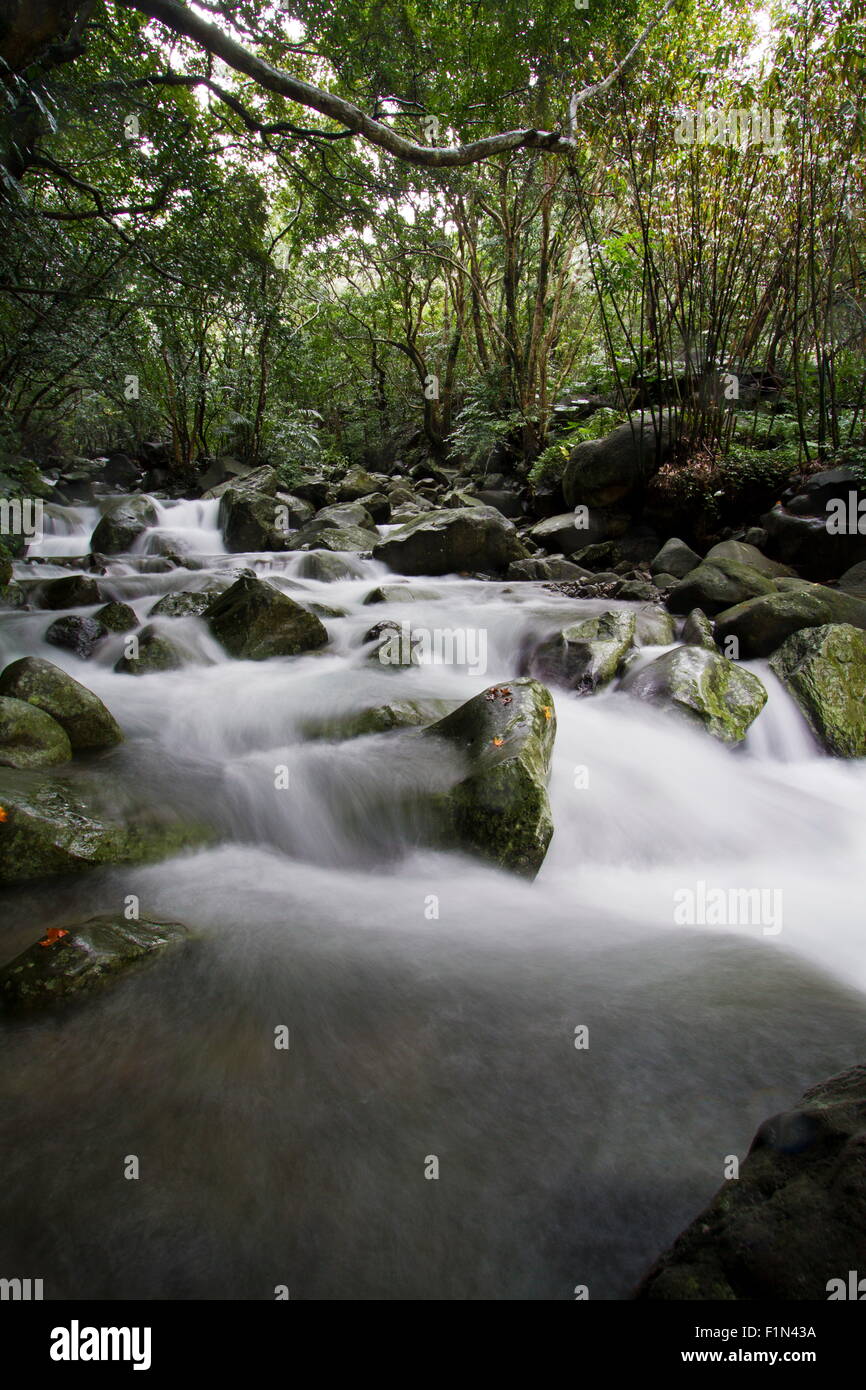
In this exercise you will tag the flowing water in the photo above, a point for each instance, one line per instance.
(432, 1001)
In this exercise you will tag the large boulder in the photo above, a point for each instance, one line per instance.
(71, 962)
(121, 525)
(452, 542)
(356, 484)
(251, 520)
(335, 538)
(745, 554)
(81, 713)
(603, 472)
(340, 516)
(714, 587)
(61, 825)
(29, 737)
(702, 687)
(824, 668)
(586, 654)
(790, 1227)
(676, 558)
(760, 625)
(500, 810)
(570, 532)
(254, 621)
(822, 528)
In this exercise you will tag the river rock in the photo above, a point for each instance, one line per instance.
(344, 538)
(76, 634)
(702, 687)
(824, 668)
(715, 586)
(153, 652)
(551, 571)
(121, 525)
(29, 737)
(81, 713)
(760, 625)
(378, 507)
(251, 520)
(745, 554)
(76, 591)
(254, 622)
(339, 517)
(356, 484)
(63, 824)
(187, 603)
(73, 961)
(790, 1227)
(698, 631)
(378, 719)
(570, 533)
(654, 627)
(117, 617)
(586, 654)
(676, 558)
(399, 593)
(500, 810)
(452, 542)
(853, 581)
(327, 568)
(603, 472)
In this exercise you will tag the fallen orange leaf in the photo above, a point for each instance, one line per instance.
(53, 934)
(547, 711)
(497, 743)
(3, 815)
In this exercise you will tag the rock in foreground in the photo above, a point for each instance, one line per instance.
(704, 688)
(82, 714)
(73, 961)
(824, 668)
(792, 1225)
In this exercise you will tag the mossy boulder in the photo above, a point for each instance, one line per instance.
(760, 625)
(81, 713)
(500, 810)
(65, 824)
(452, 542)
(254, 621)
(335, 538)
(587, 654)
(702, 687)
(117, 617)
(745, 554)
(824, 668)
(152, 651)
(714, 587)
(71, 962)
(121, 525)
(29, 737)
(790, 1227)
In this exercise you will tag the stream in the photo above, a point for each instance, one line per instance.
(416, 1031)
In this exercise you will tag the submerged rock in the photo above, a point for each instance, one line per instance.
(29, 737)
(452, 542)
(378, 719)
(153, 652)
(500, 810)
(60, 825)
(790, 1227)
(824, 668)
(254, 621)
(587, 654)
(69, 962)
(702, 687)
(81, 713)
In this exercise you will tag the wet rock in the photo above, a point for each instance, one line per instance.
(187, 603)
(251, 520)
(702, 687)
(637, 591)
(152, 651)
(824, 668)
(500, 810)
(377, 505)
(744, 554)
(356, 484)
(64, 824)
(654, 627)
(714, 587)
(117, 617)
(761, 624)
(698, 631)
(452, 542)
(790, 1227)
(379, 719)
(549, 570)
(72, 962)
(571, 533)
(82, 714)
(676, 558)
(587, 654)
(327, 568)
(399, 593)
(76, 634)
(254, 622)
(78, 591)
(344, 538)
(29, 737)
(121, 525)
